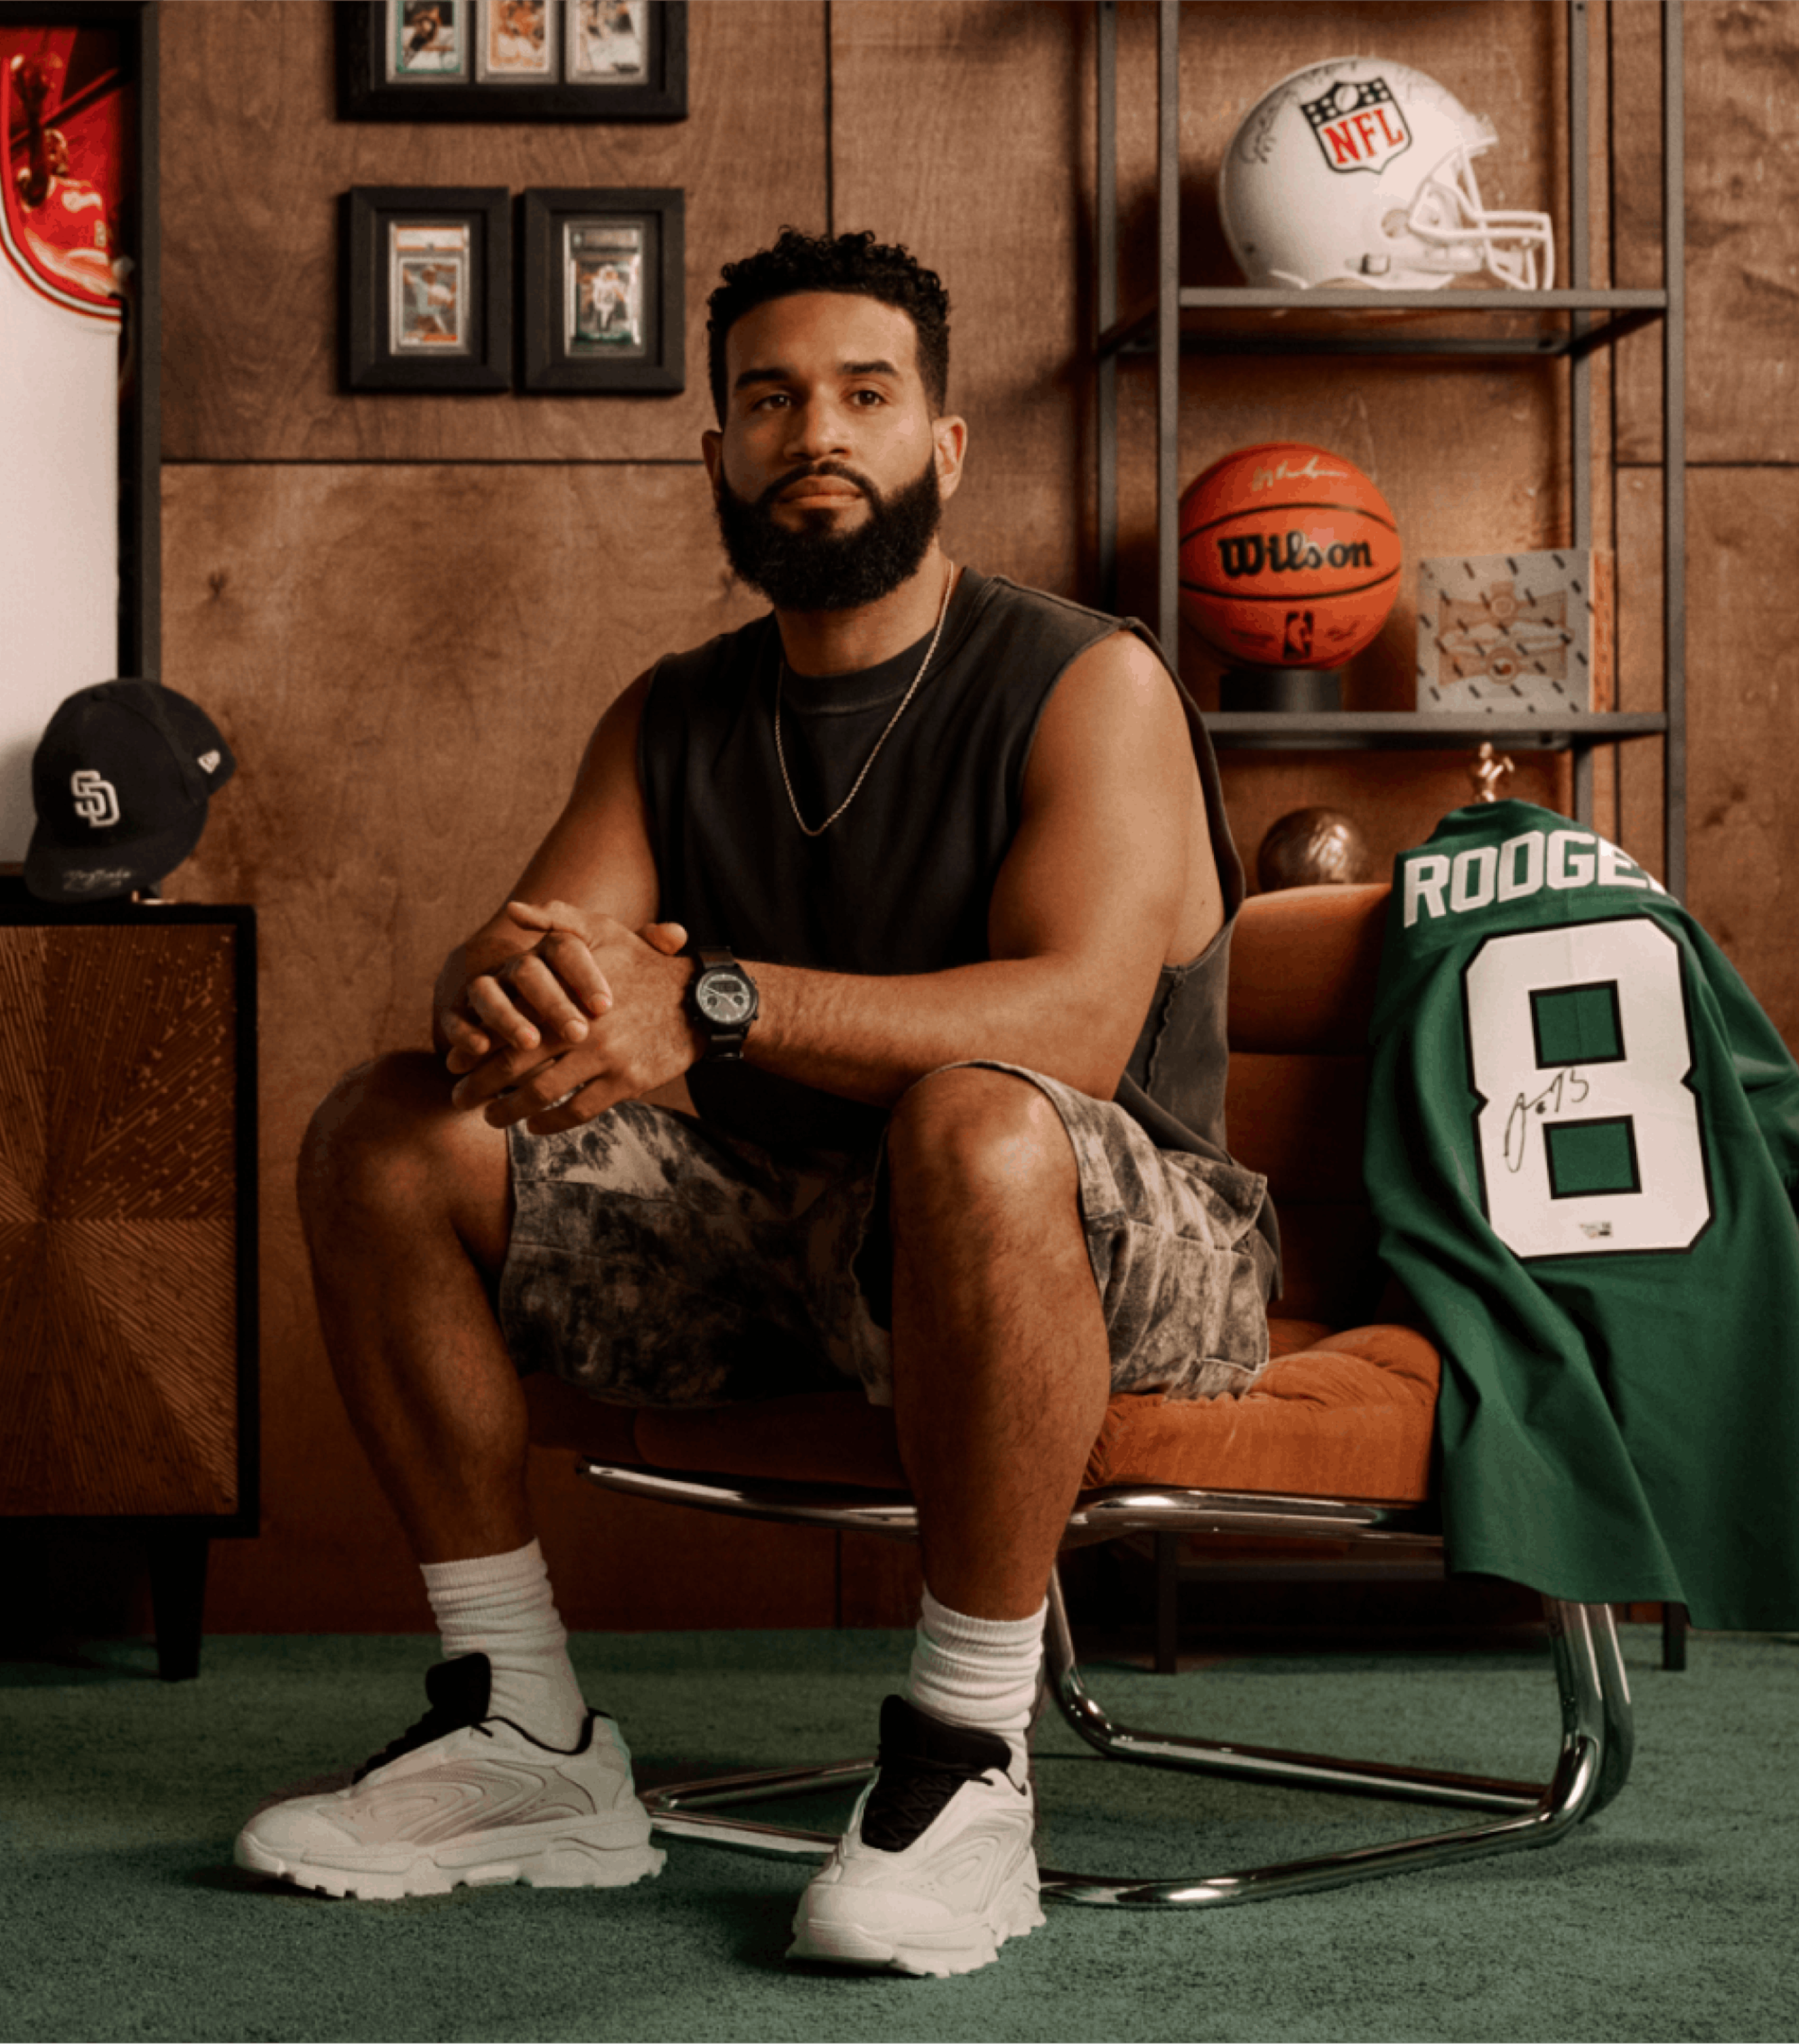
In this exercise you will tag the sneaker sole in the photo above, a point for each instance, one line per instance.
(557, 1862)
(963, 1948)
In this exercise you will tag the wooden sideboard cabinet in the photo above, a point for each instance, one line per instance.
(127, 1233)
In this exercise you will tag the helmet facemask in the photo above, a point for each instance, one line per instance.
(1451, 232)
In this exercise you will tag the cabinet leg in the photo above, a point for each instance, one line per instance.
(178, 1596)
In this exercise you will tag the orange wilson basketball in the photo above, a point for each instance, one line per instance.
(1289, 557)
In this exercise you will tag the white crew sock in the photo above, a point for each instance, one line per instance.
(978, 1671)
(501, 1605)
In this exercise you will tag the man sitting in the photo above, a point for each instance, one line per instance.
(922, 883)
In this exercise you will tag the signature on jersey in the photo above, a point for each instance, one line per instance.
(1567, 1089)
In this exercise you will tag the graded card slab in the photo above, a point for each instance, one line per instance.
(603, 289)
(425, 39)
(1498, 633)
(515, 42)
(606, 45)
(429, 274)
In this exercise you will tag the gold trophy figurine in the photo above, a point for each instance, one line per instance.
(1488, 770)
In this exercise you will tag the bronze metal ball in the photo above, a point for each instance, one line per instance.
(1311, 848)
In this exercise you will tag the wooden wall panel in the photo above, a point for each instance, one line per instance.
(1743, 833)
(253, 162)
(407, 662)
(1742, 827)
(1743, 441)
(1633, 35)
(1742, 229)
(957, 129)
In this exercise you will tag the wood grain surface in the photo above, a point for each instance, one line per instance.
(118, 1279)
(1742, 229)
(253, 161)
(975, 165)
(1744, 728)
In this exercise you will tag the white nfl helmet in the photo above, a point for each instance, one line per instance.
(1360, 170)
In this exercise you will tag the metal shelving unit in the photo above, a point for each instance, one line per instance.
(1551, 326)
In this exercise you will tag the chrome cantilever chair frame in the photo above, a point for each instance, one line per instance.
(1590, 1768)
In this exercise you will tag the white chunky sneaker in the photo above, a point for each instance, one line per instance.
(937, 1869)
(464, 1798)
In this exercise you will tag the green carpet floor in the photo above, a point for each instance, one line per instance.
(1672, 1914)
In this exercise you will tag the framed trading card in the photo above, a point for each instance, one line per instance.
(428, 270)
(605, 290)
(602, 289)
(424, 39)
(426, 294)
(562, 60)
(516, 42)
(606, 41)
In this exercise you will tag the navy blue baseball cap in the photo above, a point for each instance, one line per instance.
(120, 781)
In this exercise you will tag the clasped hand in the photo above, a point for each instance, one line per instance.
(591, 1014)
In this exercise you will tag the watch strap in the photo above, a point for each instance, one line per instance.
(722, 1040)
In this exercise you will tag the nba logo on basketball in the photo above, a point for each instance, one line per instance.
(1359, 126)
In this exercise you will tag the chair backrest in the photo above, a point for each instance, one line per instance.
(1303, 965)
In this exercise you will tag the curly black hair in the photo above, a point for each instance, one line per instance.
(855, 264)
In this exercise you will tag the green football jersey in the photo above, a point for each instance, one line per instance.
(1583, 1151)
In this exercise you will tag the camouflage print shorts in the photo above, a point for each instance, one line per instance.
(654, 1261)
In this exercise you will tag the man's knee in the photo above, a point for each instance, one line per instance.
(383, 1135)
(988, 1140)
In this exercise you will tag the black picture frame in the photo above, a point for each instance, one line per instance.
(650, 354)
(474, 223)
(367, 90)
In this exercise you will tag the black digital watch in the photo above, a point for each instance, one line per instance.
(722, 1001)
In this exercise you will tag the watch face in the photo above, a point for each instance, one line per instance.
(724, 997)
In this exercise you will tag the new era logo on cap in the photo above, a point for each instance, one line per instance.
(121, 781)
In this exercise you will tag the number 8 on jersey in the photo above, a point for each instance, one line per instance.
(1580, 1049)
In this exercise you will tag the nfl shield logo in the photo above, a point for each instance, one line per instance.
(1359, 126)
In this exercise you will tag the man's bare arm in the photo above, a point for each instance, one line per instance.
(1092, 899)
(1102, 886)
(596, 856)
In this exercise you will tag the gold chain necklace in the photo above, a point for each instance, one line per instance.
(787, 780)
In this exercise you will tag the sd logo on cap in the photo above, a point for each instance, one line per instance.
(121, 781)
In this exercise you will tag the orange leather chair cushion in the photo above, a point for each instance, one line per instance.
(1347, 1414)
(1303, 964)
(1353, 1415)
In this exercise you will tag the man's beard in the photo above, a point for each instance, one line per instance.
(817, 569)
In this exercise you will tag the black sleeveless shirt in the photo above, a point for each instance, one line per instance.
(901, 883)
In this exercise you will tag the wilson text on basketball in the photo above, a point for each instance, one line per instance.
(1287, 553)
